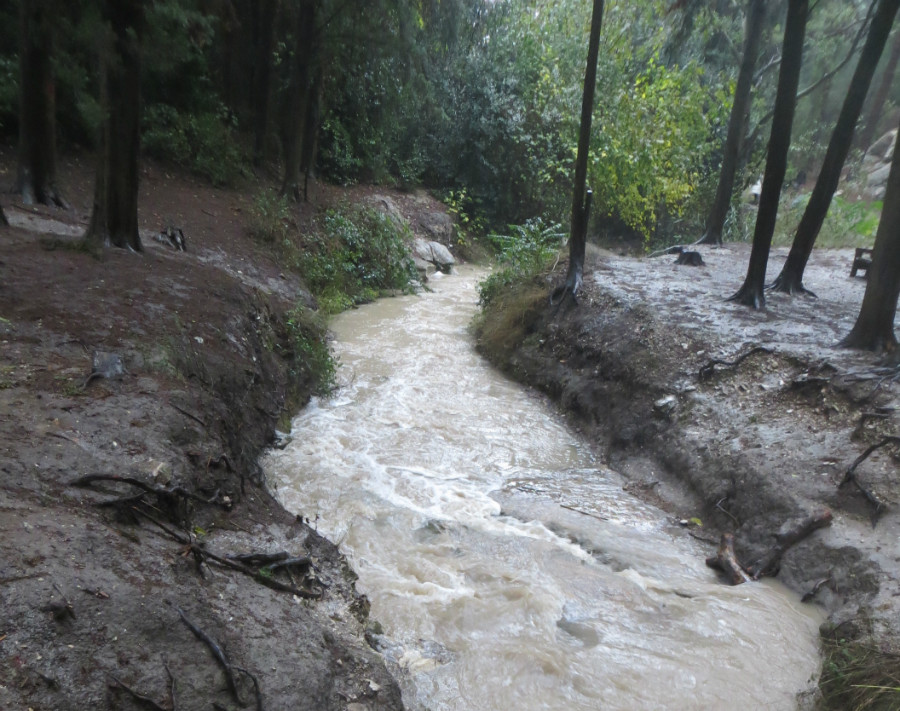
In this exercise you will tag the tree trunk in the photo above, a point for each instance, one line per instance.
(262, 73)
(876, 108)
(791, 278)
(737, 124)
(581, 198)
(874, 328)
(114, 221)
(37, 106)
(3, 221)
(752, 291)
(311, 128)
(299, 95)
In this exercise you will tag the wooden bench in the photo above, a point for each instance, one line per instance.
(862, 260)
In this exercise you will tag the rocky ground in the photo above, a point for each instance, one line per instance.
(641, 364)
(117, 594)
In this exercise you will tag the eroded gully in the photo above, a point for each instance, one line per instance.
(507, 566)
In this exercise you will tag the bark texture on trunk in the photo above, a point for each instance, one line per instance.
(790, 280)
(874, 327)
(737, 124)
(114, 221)
(266, 11)
(752, 292)
(299, 96)
(581, 197)
(37, 106)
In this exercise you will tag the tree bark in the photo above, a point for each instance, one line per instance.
(37, 106)
(266, 11)
(752, 291)
(114, 221)
(874, 327)
(737, 124)
(310, 141)
(790, 280)
(581, 198)
(299, 95)
(876, 108)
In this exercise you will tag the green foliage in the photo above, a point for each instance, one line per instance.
(524, 253)
(308, 348)
(205, 143)
(270, 217)
(360, 255)
(469, 221)
(857, 676)
(9, 92)
(849, 223)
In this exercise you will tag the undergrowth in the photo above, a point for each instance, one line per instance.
(522, 254)
(857, 676)
(308, 349)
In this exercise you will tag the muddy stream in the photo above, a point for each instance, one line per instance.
(507, 566)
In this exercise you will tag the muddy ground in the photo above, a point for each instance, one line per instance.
(95, 599)
(750, 449)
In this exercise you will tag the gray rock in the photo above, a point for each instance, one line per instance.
(437, 225)
(386, 205)
(878, 177)
(433, 253)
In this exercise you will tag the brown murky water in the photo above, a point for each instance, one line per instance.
(508, 567)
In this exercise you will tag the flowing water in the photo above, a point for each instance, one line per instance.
(508, 567)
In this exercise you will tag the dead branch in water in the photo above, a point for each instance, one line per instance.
(726, 561)
(708, 370)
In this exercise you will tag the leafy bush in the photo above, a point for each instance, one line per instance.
(308, 348)
(361, 254)
(525, 252)
(270, 217)
(205, 143)
(848, 223)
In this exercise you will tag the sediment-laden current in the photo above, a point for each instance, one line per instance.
(508, 567)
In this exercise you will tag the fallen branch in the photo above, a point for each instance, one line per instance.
(708, 370)
(162, 491)
(815, 588)
(140, 698)
(878, 506)
(726, 561)
(769, 564)
(217, 653)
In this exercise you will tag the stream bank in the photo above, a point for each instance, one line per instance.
(97, 587)
(750, 449)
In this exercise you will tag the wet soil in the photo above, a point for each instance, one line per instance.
(750, 449)
(92, 596)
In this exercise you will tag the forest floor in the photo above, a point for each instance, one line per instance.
(96, 597)
(641, 364)
(93, 598)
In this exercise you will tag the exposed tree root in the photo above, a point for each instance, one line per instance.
(751, 296)
(216, 652)
(708, 370)
(145, 701)
(726, 561)
(878, 506)
(770, 563)
(790, 285)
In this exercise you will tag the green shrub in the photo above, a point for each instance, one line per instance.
(308, 348)
(524, 253)
(205, 143)
(361, 254)
(270, 217)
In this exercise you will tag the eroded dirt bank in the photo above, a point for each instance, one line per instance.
(93, 596)
(752, 448)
